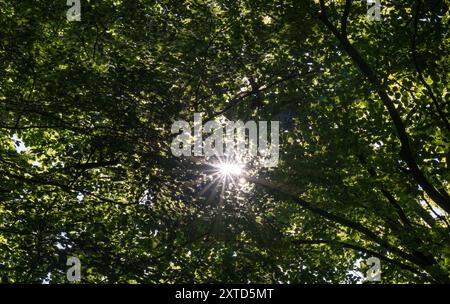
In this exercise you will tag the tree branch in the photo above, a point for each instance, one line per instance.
(419, 71)
(442, 199)
(360, 249)
(348, 4)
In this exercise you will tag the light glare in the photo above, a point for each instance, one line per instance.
(230, 169)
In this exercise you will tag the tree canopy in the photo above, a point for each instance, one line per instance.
(86, 170)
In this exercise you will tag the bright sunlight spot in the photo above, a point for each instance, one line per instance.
(230, 169)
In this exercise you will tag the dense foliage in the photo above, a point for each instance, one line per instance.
(85, 130)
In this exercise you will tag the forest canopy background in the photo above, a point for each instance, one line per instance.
(85, 163)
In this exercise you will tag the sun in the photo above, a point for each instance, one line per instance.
(224, 174)
(229, 169)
